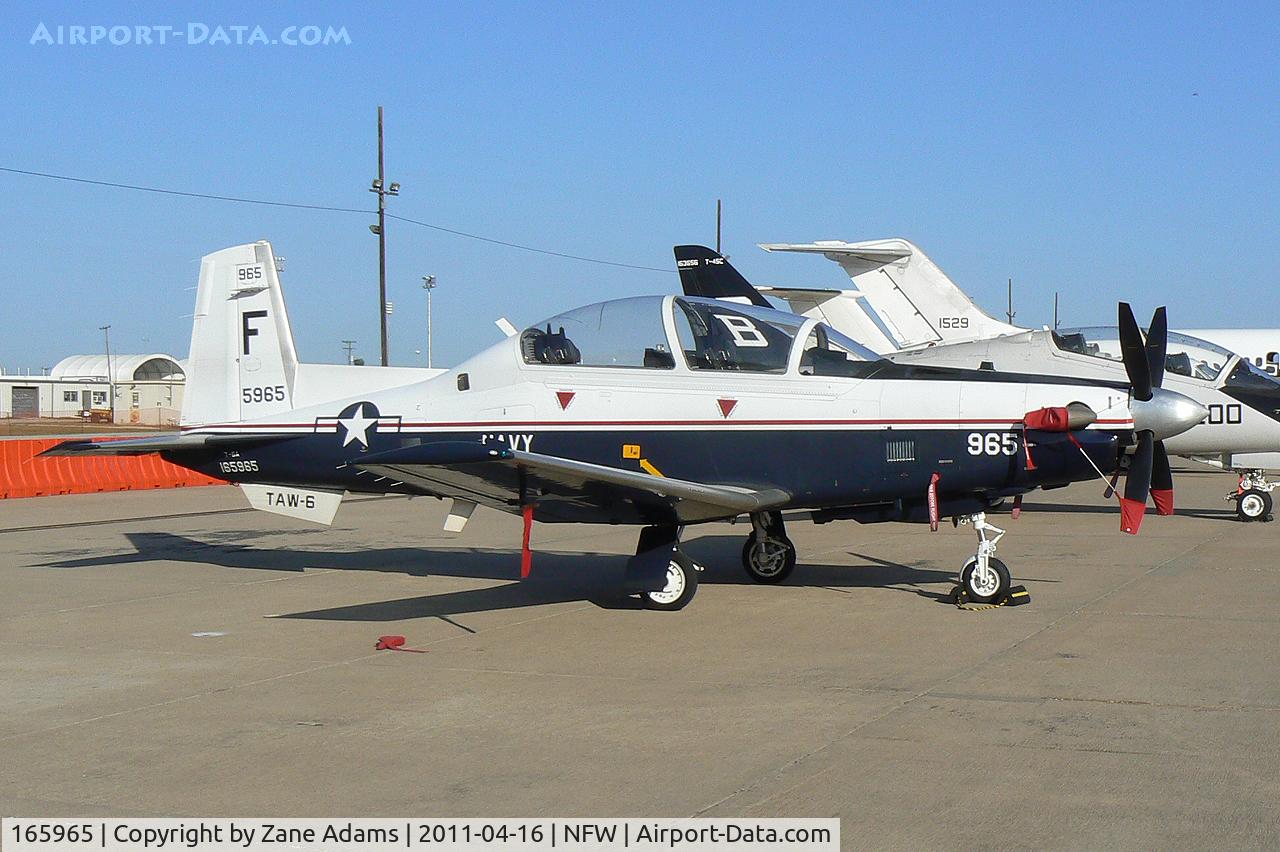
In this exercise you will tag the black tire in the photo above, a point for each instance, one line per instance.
(773, 567)
(985, 594)
(682, 585)
(1253, 505)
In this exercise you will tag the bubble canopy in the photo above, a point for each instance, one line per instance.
(709, 334)
(1184, 356)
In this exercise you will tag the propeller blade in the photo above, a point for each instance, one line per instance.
(1134, 351)
(1137, 484)
(1157, 343)
(1162, 481)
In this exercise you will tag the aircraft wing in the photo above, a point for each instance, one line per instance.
(159, 444)
(499, 477)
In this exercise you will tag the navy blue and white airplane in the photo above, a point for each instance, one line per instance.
(659, 412)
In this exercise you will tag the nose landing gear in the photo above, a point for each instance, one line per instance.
(1253, 496)
(985, 579)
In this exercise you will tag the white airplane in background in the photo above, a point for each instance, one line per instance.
(909, 311)
(920, 306)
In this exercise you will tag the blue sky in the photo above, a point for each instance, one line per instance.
(1103, 150)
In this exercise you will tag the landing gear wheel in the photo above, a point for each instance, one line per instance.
(682, 583)
(770, 560)
(1253, 505)
(985, 586)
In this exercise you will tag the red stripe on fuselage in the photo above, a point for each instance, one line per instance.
(485, 424)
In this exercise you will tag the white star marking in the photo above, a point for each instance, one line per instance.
(357, 426)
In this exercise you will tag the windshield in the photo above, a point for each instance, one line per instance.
(621, 333)
(1185, 355)
(1248, 377)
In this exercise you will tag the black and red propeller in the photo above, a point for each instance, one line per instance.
(1149, 472)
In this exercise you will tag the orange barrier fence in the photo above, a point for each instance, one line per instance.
(24, 475)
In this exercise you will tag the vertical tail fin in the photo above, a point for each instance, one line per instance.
(910, 294)
(704, 272)
(243, 364)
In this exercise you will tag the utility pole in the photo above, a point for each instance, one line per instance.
(428, 284)
(1010, 312)
(349, 345)
(111, 376)
(717, 226)
(382, 190)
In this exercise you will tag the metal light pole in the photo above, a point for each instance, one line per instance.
(111, 376)
(428, 284)
(381, 230)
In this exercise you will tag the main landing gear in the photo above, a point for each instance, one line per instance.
(1253, 496)
(769, 556)
(660, 572)
(984, 579)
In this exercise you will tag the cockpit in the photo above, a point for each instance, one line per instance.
(656, 332)
(1184, 356)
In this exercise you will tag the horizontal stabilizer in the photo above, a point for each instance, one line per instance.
(815, 293)
(839, 248)
(161, 444)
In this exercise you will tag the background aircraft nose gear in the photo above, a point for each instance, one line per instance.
(985, 579)
(1253, 496)
(769, 556)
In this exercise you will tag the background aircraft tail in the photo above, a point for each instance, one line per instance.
(243, 364)
(705, 272)
(914, 299)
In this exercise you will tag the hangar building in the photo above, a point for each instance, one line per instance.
(140, 389)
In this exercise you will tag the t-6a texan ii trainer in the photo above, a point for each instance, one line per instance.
(658, 412)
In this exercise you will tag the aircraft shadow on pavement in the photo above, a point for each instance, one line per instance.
(1114, 509)
(557, 577)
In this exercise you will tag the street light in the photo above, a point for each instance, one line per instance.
(428, 284)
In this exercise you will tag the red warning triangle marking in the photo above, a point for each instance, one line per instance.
(565, 398)
(727, 406)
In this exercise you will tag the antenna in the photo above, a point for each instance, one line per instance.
(1010, 313)
(718, 226)
(1055, 310)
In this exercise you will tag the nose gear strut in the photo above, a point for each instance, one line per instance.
(985, 579)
